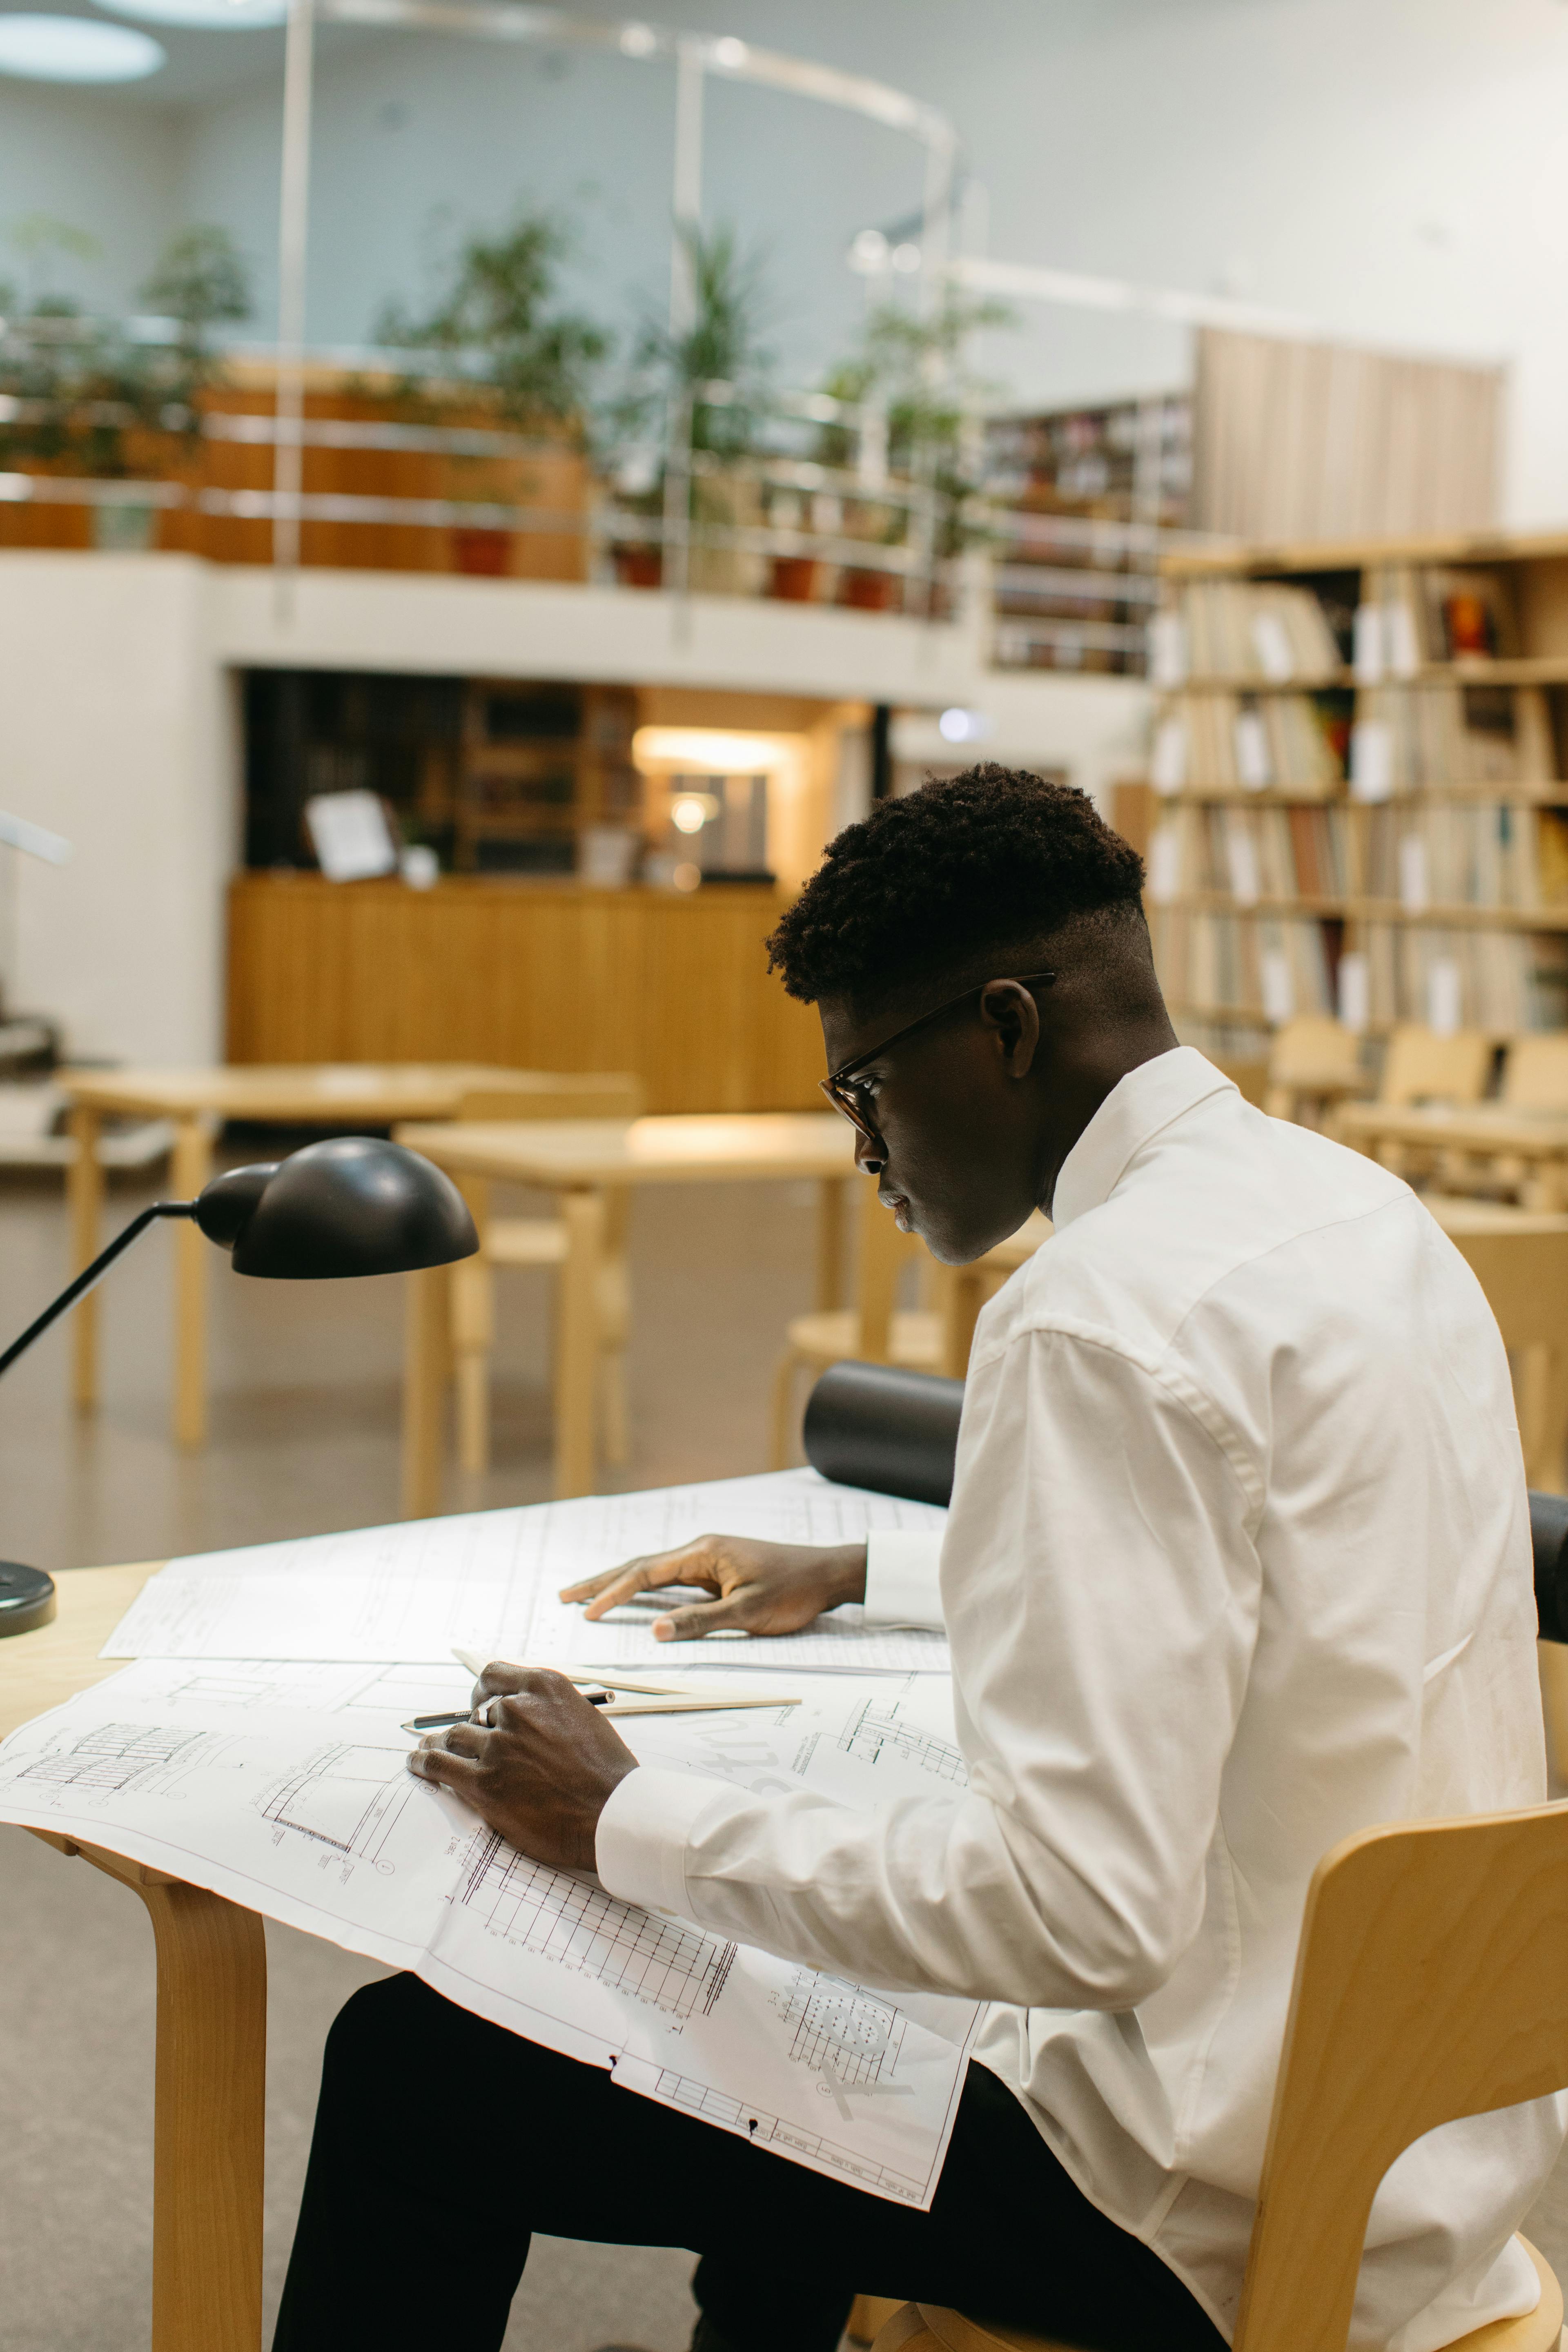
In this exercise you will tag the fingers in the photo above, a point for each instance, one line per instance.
(502, 1680)
(431, 1761)
(649, 1572)
(700, 1617)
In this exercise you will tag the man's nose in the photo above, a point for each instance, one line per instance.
(870, 1154)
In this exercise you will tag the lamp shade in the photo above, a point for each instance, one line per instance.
(350, 1206)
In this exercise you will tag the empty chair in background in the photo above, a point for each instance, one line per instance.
(1422, 1066)
(537, 1242)
(1314, 1064)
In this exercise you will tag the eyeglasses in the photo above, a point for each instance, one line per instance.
(843, 1091)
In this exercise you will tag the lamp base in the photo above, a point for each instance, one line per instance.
(27, 1598)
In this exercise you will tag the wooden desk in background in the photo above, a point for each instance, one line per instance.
(210, 2114)
(324, 1095)
(581, 1161)
(1487, 1130)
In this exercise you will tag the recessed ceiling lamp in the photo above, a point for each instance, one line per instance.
(227, 15)
(75, 49)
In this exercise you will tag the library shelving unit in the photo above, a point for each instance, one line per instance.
(536, 764)
(1359, 791)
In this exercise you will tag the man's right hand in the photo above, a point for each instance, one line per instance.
(760, 1588)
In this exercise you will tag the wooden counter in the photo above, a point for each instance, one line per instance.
(532, 975)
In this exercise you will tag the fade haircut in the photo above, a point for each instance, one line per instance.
(992, 861)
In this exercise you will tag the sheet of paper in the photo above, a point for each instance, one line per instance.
(489, 1580)
(284, 1786)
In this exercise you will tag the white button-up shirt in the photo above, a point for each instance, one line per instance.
(1237, 1562)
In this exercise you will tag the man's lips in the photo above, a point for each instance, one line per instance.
(900, 1207)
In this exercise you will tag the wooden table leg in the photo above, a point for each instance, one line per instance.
(210, 2111)
(84, 1188)
(193, 1163)
(831, 1195)
(473, 1334)
(578, 1342)
(426, 1347)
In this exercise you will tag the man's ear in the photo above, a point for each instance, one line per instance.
(1009, 1009)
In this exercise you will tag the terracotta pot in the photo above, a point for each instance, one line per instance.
(486, 553)
(794, 578)
(870, 592)
(639, 567)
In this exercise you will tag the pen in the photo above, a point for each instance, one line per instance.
(445, 1722)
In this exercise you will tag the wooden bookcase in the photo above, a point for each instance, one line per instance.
(532, 765)
(1360, 786)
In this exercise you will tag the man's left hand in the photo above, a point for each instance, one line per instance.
(538, 1765)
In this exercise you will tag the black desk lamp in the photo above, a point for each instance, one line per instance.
(350, 1205)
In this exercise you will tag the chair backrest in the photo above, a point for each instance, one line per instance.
(549, 1094)
(1422, 1066)
(882, 1252)
(1429, 1984)
(1535, 1073)
(1521, 1260)
(1314, 1051)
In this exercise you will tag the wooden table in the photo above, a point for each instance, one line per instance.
(581, 1161)
(326, 1094)
(209, 2120)
(1538, 1140)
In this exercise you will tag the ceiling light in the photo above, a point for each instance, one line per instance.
(75, 49)
(689, 816)
(869, 252)
(711, 751)
(906, 259)
(639, 40)
(956, 726)
(730, 54)
(227, 16)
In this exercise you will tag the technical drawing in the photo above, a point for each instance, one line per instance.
(878, 1727)
(850, 2036)
(117, 1756)
(348, 1798)
(671, 1966)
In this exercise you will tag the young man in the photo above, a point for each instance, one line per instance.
(1237, 1562)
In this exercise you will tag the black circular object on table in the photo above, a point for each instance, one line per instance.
(27, 1598)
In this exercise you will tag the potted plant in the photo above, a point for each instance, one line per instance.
(704, 392)
(514, 354)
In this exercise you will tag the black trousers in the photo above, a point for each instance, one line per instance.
(441, 2142)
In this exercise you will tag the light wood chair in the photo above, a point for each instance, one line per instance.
(538, 1241)
(931, 1338)
(1419, 1066)
(1315, 1064)
(1519, 1257)
(1429, 1985)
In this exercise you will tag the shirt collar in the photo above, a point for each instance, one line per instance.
(1132, 1113)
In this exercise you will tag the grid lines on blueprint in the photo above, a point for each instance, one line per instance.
(671, 1965)
(115, 1757)
(879, 1724)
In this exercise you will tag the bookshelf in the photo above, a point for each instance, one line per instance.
(1359, 777)
(535, 764)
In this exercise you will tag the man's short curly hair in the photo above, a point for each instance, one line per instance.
(986, 861)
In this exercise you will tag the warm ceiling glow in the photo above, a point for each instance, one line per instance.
(690, 816)
(75, 49)
(712, 750)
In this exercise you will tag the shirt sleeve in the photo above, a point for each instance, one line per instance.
(902, 1577)
(1102, 1593)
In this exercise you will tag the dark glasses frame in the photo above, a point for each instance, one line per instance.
(840, 1085)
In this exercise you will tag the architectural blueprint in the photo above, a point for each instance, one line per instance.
(489, 1580)
(285, 1787)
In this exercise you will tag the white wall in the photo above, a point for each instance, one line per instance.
(116, 729)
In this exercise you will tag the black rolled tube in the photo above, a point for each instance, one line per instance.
(880, 1426)
(1549, 1543)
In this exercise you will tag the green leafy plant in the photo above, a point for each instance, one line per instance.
(719, 366)
(499, 305)
(201, 281)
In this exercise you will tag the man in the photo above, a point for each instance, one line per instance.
(1237, 1562)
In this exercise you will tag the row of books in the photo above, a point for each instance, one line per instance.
(1273, 968)
(1232, 741)
(1242, 628)
(1271, 965)
(1411, 616)
(1434, 738)
(1438, 737)
(1505, 981)
(1446, 854)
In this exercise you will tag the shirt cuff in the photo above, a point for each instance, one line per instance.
(902, 1586)
(639, 1846)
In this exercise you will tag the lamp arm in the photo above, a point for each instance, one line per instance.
(93, 1273)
